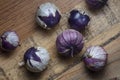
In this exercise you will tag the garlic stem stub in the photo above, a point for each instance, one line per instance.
(48, 15)
(36, 59)
(95, 58)
(69, 42)
(9, 40)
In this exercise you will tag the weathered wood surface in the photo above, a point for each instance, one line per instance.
(104, 30)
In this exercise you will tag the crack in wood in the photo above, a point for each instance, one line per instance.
(79, 60)
(110, 40)
(115, 78)
(2, 72)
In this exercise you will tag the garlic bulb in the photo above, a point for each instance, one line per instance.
(9, 40)
(36, 59)
(48, 15)
(95, 58)
(78, 20)
(69, 42)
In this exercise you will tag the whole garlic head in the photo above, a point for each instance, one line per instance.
(95, 58)
(9, 40)
(36, 59)
(48, 15)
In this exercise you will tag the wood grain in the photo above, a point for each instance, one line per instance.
(104, 30)
(20, 15)
(112, 69)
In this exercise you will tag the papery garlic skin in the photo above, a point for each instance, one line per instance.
(69, 42)
(95, 58)
(48, 15)
(9, 40)
(36, 59)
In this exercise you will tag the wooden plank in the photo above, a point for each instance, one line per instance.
(20, 15)
(104, 29)
(57, 64)
(79, 72)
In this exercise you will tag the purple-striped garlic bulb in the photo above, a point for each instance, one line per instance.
(48, 15)
(69, 42)
(95, 58)
(36, 59)
(9, 40)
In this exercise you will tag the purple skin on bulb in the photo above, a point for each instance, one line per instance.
(51, 20)
(31, 55)
(95, 58)
(77, 20)
(69, 43)
(96, 4)
(92, 64)
(6, 45)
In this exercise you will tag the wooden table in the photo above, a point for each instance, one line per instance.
(104, 30)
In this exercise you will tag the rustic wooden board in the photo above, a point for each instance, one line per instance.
(104, 30)
(79, 72)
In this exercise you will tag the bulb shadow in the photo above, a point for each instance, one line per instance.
(62, 57)
(34, 75)
(77, 58)
(85, 31)
(5, 53)
(46, 32)
(95, 74)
